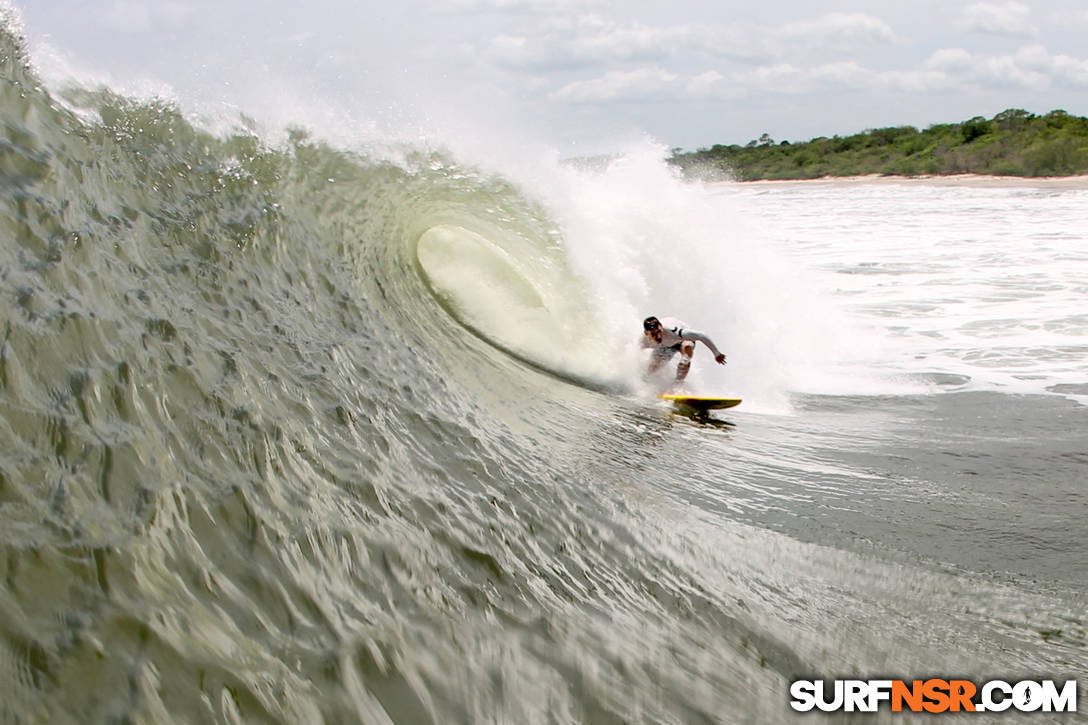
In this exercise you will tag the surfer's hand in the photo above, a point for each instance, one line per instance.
(720, 359)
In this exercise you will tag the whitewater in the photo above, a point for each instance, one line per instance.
(295, 428)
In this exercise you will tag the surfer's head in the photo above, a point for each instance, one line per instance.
(651, 327)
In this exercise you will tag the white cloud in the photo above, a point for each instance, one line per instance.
(1061, 70)
(641, 84)
(565, 41)
(790, 79)
(634, 42)
(534, 7)
(847, 74)
(953, 69)
(739, 42)
(948, 59)
(1006, 71)
(1069, 71)
(840, 31)
(633, 61)
(520, 52)
(780, 78)
(1032, 67)
(1008, 18)
(923, 80)
(710, 84)
(587, 41)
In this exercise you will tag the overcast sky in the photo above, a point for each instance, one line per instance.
(584, 74)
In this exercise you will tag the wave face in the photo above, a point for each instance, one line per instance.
(285, 436)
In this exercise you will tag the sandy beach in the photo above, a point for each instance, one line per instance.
(975, 180)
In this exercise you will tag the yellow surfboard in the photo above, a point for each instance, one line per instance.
(700, 402)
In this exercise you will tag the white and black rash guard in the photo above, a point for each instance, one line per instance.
(673, 332)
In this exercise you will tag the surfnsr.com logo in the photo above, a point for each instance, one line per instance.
(933, 696)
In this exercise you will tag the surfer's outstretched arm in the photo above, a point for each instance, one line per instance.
(719, 357)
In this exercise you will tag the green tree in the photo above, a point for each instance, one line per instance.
(974, 128)
(1013, 119)
(1013, 142)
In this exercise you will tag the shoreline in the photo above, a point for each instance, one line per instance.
(973, 180)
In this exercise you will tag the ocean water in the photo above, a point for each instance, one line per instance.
(296, 429)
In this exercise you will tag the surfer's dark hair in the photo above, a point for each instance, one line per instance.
(651, 323)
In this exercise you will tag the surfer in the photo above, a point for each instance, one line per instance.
(670, 336)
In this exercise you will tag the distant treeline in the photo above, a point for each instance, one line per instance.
(1012, 143)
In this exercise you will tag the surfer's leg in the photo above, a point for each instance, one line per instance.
(687, 349)
(659, 357)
